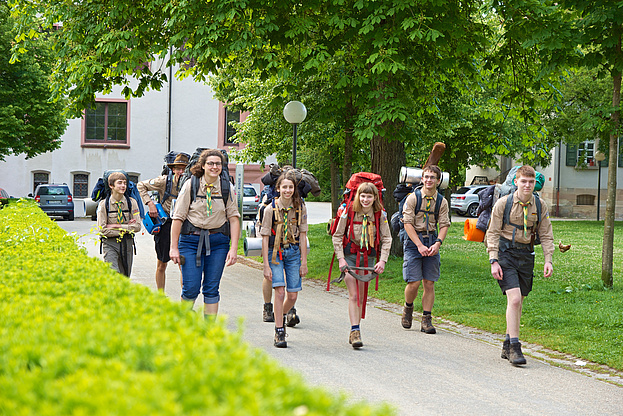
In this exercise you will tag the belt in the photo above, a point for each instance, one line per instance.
(206, 231)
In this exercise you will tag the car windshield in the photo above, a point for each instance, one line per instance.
(249, 192)
(462, 190)
(52, 190)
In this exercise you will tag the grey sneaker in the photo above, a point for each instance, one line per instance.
(268, 314)
(280, 339)
(355, 339)
(292, 318)
(427, 325)
(506, 346)
(407, 316)
(515, 356)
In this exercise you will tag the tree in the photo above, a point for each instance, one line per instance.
(30, 123)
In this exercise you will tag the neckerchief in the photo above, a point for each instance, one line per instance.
(119, 213)
(209, 187)
(525, 217)
(429, 200)
(364, 242)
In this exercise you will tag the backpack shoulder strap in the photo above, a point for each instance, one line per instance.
(107, 205)
(418, 200)
(167, 188)
(194, 188)
(507, 210)
(438, 206)
(537, 202)
(225, 188)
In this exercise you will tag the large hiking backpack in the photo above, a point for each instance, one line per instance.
(401, 193)
(225, 177)
(535, 228)
(102, 191)
(346, 209)
(166, 170)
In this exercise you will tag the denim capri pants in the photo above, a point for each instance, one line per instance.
(290, 264)
(207, 277)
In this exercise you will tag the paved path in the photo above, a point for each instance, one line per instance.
(457, 371)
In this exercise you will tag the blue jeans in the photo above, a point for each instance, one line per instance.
(211, 267)
(291, 265)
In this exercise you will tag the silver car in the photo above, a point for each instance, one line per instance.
(55, 200)
(465, 201)
(250, 202)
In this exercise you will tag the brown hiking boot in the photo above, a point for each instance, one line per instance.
(515, 355)
(427, 325)
(506, 346)
(407, 316)
(292, 318)
(355, 339)
(280, 338)
(268, 315)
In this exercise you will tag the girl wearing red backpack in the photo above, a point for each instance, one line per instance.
(360, 224)
(284, 251)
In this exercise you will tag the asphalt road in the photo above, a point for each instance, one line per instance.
(457, 371)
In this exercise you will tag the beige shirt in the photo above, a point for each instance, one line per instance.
(495, 230)
(102, 219)
(385, 238)
(197, 211)
(267, 219)
(158, 184)
(418, 220)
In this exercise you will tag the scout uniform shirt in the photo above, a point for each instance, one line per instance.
(128, 214)
(418, 220)
(197, 213)
(497, 229)
(294, 230)
(385, 238)
(159, 184)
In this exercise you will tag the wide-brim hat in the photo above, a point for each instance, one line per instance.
(180, 160)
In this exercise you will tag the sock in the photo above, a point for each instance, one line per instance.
(515, 340)
(278, 330)
(268, 303)
(409, 305)
(354, 328)
(426, 312)
(507, 338)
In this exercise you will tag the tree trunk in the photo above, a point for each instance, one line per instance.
(387, 159)
(607, 250)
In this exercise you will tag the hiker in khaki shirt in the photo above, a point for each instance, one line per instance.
(511, 253)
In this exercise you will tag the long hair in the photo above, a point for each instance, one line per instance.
(296, 198)
(367, 188)
(197, 168)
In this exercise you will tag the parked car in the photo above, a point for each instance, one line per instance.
(55, 200)
(465, 201)
(3, 194)
(250, 202)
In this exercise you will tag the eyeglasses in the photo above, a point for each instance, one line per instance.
(214, 164)
(429, 177)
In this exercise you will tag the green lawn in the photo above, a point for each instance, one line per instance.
(570, 312)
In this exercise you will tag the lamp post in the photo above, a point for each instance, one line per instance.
(294, 112)
(599, 156)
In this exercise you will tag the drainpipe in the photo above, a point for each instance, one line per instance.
(170, 99)
(558, 179)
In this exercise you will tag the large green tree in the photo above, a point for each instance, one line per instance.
(30, 123)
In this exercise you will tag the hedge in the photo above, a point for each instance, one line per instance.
(76, 338)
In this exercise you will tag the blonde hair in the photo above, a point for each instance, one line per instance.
(367, 188)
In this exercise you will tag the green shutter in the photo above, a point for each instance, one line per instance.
(572, 155)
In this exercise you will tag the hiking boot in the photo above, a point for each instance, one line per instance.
(280, 339)
(506, 346)
(515, 355)
(427, 325)
(407, 316)
(268, 315)
(292, 318)
(355, 339)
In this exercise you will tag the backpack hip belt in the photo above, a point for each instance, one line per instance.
(277, 236)
(506, 245)
(204, 236)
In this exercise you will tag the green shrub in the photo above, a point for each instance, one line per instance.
(78, 338)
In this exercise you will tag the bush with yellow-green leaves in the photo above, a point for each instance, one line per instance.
(76, 338)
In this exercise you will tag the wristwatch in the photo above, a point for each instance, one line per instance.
(493, 261)
(439, 241)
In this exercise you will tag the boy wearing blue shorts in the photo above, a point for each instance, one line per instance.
(421, 249)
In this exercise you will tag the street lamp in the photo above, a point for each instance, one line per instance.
(599, 156)
(294, 112)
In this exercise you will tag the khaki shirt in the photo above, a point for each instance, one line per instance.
(267, 219)
(385, 238)
(419, 220)
(102, 219)
(495, 230)
(158, 184)
(197, 211)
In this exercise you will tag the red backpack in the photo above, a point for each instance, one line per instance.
(347, 206)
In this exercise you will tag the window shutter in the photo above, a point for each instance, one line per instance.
(572, 155)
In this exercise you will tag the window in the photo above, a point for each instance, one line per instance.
(39, 178)
(230, 130)
(586, 153)
(106, 123)
(81, 185)
(585, 200)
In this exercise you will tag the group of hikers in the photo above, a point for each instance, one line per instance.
(202, 231)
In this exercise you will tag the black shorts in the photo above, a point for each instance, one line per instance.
(163, 241)
(518, 270)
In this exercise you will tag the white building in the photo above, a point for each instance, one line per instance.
(133, 135)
